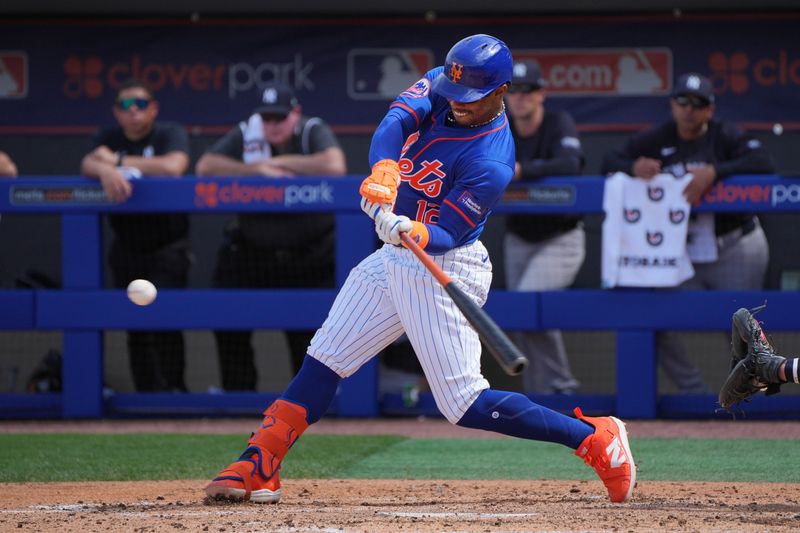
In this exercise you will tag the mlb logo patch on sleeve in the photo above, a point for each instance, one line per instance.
(418, 90)
(468, 201)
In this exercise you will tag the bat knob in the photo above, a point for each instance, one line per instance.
(518, 366)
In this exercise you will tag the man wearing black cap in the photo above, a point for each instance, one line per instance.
(542, 252)
(273, 250)
(728, 251)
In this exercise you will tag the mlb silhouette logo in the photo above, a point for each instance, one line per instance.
(384, 73)
(13, 74)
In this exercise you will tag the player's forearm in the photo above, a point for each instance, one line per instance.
(617, 162)
(439, 240)
(387, 141)
(7, 166)
(755, 162)
(173, 164)
(220, 165)
(329, 162)
(92, 166)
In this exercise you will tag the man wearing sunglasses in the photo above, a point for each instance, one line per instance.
(273, 250)
(728, 251)
(542, 252)
(148, 246)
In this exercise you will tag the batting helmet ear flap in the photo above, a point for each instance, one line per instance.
(474, 67)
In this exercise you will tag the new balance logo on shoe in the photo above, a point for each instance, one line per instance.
(616, 453)
(607, 451)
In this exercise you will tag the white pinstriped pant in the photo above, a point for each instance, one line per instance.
(391, 292)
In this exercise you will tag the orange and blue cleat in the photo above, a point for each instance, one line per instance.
(254, 476)
(608, 452)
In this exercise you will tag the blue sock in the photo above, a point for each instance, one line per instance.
(513, 414)
(314, 387)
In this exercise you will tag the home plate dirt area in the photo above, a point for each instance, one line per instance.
(404, 505)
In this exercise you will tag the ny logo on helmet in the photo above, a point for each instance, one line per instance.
(455, 71)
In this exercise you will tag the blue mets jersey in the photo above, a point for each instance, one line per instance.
(452, 176)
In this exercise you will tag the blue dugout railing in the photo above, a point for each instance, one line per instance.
(83, 309)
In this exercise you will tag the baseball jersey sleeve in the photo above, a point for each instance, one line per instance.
(467, 206)
(743, 154)
(565, 155)
(404, 117)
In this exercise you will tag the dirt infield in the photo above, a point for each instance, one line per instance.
(382, 506)
(407, 505)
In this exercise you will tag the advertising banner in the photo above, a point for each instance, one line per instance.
(610, 73)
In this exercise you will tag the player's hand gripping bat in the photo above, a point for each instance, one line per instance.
(499, 345)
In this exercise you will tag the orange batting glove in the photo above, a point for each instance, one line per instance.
(419, 234)
(389, 226)
(380, 187)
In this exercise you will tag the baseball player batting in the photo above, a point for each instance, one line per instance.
(441, 158)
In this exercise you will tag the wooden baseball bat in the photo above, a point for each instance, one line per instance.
(499, 345)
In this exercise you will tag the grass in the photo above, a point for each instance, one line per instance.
(122, 457)
(657, 460)
(72, 457)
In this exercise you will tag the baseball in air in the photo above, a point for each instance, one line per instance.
(777, 128)
(141, 292)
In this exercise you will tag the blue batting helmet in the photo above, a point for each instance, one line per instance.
(475, 66)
